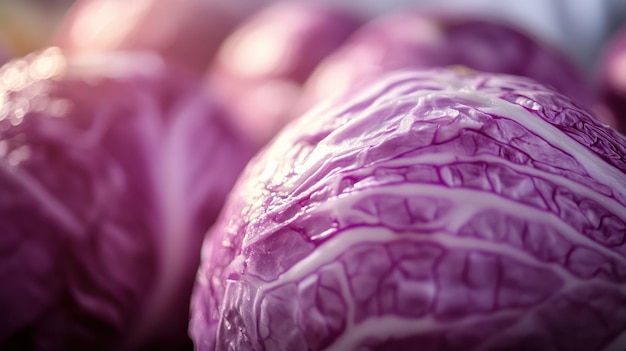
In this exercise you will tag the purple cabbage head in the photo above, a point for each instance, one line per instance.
(187, 33)
(433, 210)
(111, 170)
(416, 39)
(260, 68)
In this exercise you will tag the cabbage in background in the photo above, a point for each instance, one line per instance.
(421, 39)
(111, 170)
(261, 66)
(187, 33)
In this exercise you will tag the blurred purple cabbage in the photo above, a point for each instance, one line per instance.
(261, 66)
(187, 33)
(418, 39)
(112, 168)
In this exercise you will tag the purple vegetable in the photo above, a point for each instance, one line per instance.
(612, 81)
(454, 211)
(428, 40)
(111, 170)
(186, 32)
(262, 65)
